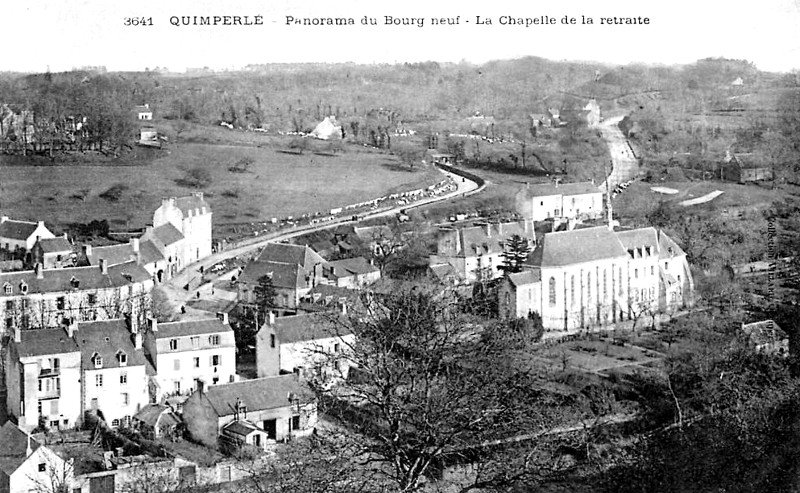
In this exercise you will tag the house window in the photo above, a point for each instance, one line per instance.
(272, 340)
(55, 363)
(60, 303)
(24, 288)
(98, 380)
(552, 286)
(197, 362)
(9, 304)
(122, 358)
(176, 385)
(336, 345)
(98, 361)
(195, 342)
(173, 344)
(123, 378)
(54, 423)
(572, 290)
(92, 298)
(39, 408)
(636, 273)
(666, 265)
(296, 422)
(652, 270)
(125, 399)
(115, 423)
(9, 322)
(42, 467)
(213, 340)
(176, 364)
(215, 360)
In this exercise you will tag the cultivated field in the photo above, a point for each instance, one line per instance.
(275, 184)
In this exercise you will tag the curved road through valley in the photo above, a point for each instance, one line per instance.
(179, 296)
(625, 164)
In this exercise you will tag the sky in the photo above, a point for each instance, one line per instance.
(64, 35)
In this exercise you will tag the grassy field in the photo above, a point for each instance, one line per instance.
(276, 184)
(596, 355)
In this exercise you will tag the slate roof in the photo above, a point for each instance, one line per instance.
(167, 234)
(349, 267)
(62, 279)
(257, 395)
(638, 238)
(142, 109)
(191, 328)
(112, 254)
(41, 342)
(13, 453)
(150, 414)
(55, 245)
(241, 427)
(443, 271)
(748, 160)
(106, 339)
(287, 276)
(525, 277)
(192, 203)
(290, 254)
(665, 244)
(17, 230)
(483, 239)
(764, 332)
(306, 327)
(577, 246)
(549, 189)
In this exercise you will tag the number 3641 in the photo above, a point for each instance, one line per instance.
(138, 21)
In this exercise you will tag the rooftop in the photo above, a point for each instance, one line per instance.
(549, 189)
(17, 230)
(41, 342)
(55, 245)
(73, 278)
(290, 254)
(258, 394)
(191, 328)
(287, 276)
(306, 327)
(764, 332)
(15, 445)
(107, 339)
(349, 267)
(577, 246)
(167, 234)
(525, 277)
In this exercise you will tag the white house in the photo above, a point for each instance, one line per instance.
(115, 376)
(559, 201)
(143, 112)
(26, 465)
(191, 353)
(43, 375)
(310, 345)
(21, 235)
(191, 219)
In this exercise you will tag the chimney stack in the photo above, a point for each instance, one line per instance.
(87, 250)
(488, 230)
(135, 244)
(153, 324)
(17, 334)
(271, 318)
(39, 271)
(223, 316)
(103, 266)
(41, 224)
(72, 327)
(137, 341)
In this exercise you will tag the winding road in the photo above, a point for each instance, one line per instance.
(625, 164)
(178, 296)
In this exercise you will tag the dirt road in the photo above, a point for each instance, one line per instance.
(625, 166)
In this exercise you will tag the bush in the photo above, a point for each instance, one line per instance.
(195, 178)
(114, 193)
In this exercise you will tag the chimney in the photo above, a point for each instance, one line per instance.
(488, 230)
(103, 266)
(17, 335)
(198, 195)
(271, 318)
(528, 185)
(223, 316)
(153, 324)
(148, 229)
(135, 244)
(137, 341)
(72, 327)
(41, 225)
(87, 250)
(39, 271)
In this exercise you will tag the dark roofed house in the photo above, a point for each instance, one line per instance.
(766, 336)
(291, 282)
(539, 202)
(281, 406)
(577, 246)
(26, 464)
(21, 235)
(290, 254)
(54, 253)
(350, 273)
(746, 167)
(157, 421)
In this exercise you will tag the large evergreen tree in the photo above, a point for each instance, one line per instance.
(265, 297)
(516, 251)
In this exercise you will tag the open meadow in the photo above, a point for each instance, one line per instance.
(242, 182)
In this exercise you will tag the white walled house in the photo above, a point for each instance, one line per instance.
(310, 345)
(476, 252)
(560, 201)
(28, 466)
(191, 354)
(21, 235)
(191, 216)
(115, 377)
(44, 298)
(43, 375)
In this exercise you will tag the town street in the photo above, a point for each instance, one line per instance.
(178, 296)
(625, 164)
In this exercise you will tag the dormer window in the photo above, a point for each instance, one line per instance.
(122, 358)
(97, 360)
(74, 282)
(7, 289)
(23, 287)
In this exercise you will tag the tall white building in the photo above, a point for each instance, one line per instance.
(191, 219)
